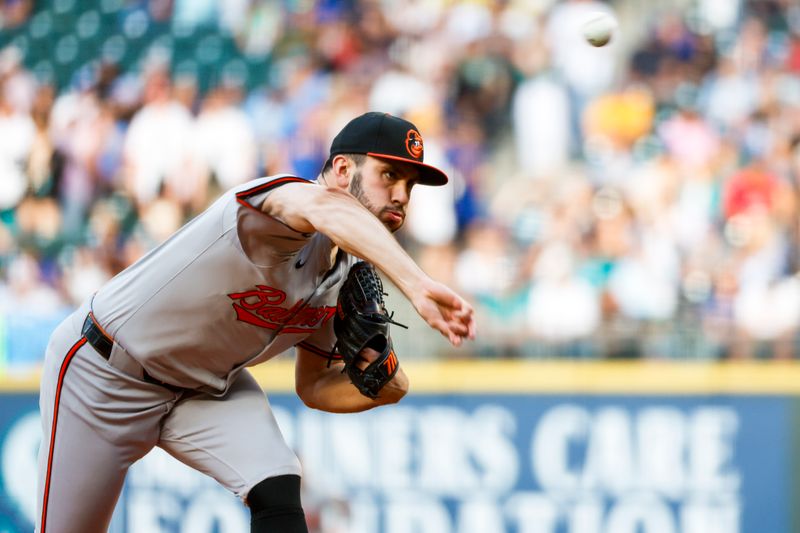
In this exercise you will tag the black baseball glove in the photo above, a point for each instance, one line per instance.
(361, 322)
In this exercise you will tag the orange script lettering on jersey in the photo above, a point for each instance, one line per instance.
(262, 307)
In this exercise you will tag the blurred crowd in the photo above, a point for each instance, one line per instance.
(634, 200)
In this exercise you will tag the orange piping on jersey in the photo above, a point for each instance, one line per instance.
(62, 372)
(240, 196)
(318, 351)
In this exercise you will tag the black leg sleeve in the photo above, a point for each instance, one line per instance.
(275, 506)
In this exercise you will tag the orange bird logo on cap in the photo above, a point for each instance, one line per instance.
(414, 144)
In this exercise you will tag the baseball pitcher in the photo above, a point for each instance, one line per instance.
(159, 355)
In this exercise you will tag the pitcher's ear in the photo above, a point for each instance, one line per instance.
(341, 169)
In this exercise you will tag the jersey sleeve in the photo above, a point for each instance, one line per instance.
(265, 239)
(321, 343)
(253, 197)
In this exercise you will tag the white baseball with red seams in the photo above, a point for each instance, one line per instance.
(599, 28)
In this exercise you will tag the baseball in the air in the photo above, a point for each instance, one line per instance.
(599, 29)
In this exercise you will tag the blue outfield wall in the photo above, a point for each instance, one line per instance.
(481, 463)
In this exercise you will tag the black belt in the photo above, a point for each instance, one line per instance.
(95, 336)
(103, 345)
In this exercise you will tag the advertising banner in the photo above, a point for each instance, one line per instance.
(479, 463)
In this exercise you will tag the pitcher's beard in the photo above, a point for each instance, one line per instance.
(381, 214)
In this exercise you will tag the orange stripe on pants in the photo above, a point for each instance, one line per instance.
(62, 372)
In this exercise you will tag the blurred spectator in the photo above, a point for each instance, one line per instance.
(751, 188)
(563, 308)
(431, 217)
(729, 95)
(77, 136)
(620, 118)
(644, 283)
(467, 151)
(483, 83)
(586, 71)
(769, 313)
(40, 163)
(157, 145)
(19, 85)
(690, 140)
(15, 13)
(84, 273)
(17, 130)
(260, 28)
(540, 116)
(159, 219)
(25, 291)
(399, 92)
(487, 269)
(224, 142)
(39, 227)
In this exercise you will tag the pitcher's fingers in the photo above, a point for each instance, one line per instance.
(465, 321)
(465, 331)
(468, 321)
(473, 329)
(459, 328)
(440, 325)
(455, 340)
(465, 307)
(444, 328)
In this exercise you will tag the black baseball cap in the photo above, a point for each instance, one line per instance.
(388, 137)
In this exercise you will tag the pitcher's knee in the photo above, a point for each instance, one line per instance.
(275, 506)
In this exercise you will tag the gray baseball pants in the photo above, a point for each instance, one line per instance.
(97, 420)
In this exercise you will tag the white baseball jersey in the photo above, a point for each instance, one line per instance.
(232, 288)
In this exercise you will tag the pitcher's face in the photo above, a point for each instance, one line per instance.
(384, 187)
